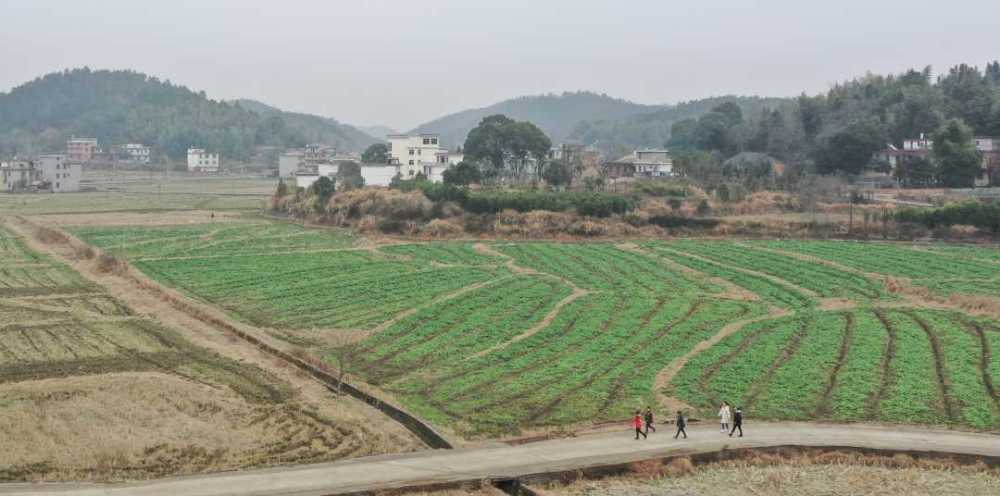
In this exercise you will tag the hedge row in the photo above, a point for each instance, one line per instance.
(493, 202)
(972, 213)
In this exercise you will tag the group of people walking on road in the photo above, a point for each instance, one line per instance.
(643, 421)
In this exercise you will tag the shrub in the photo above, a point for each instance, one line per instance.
(439, 228)
(592, 204)
(982, 215)
(657, 188)
(107, 264)
(50, 236)
(674, 221)
(389, 204)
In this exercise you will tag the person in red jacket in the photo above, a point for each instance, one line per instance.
(637, 423)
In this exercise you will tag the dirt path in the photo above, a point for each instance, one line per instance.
(777, 280)
(666, 375)
(732, 291)
(542, 324)
(424, 469)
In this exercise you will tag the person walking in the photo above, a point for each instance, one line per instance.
(681, 424)
(725, 415)
(637, 423)
(737, 422)
(647, 418)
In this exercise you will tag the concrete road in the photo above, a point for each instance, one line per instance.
(481, 463)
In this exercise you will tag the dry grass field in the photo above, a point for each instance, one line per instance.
(825, 474)
(91, 389)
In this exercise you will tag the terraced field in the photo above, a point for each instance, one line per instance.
(89, 390)
(497, 338)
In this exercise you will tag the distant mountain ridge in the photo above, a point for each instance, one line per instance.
(130, 107)
(315, 128)
(378, 132)
(556, 115)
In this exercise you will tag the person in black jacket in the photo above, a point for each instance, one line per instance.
(737, 422)
(648, 418)
(681, 423)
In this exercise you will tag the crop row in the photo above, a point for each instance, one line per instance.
(913, 366)
(444, 253)
(819, 278)
(460, 327)
(596, 360)
(922, 266)
(335, 289)
(767, 290)
(227, 239)
(603, 267)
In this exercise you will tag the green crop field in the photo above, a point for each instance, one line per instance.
(495, 339)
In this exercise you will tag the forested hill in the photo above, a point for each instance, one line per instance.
(556, 115)
(652, 129)
(125, 106)
(314, 128)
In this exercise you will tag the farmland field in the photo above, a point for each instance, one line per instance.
(496, 338)
(90, 390)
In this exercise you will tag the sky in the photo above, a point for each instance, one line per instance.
(400, 63)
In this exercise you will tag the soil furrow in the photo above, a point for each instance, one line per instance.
(890, 352)
(825, 407)
(939, 368)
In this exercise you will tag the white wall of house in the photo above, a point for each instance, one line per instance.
(137, 153)
(329, 170)
(412, 153)
(199, 160)
(62, 176)
(305, 180)
(290, 163)
(378, 175)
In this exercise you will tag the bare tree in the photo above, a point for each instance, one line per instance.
(345, 348)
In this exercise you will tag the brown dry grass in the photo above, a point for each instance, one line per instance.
(50, 236)
(809, 473)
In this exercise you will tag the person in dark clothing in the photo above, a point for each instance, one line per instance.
(681, 423)
(737, 422)
(647, 417)
(637, 423)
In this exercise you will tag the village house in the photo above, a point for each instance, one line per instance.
(988, 146)
(81, 150)
(421, 154)
(136, 153)
(641, 163)
(18, 175)
(61, 174)
(198, 160)
(51, 172)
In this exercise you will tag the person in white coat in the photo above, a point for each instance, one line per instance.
(725, 416)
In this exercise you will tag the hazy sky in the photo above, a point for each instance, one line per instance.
(403, 62)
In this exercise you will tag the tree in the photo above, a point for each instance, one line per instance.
(376, 154)
(958, 161)
(349, 176)
(282, 190)
(557, 173)
(848, 149)
(323, 188)
(917, 172)
(462, 174)
(499, 140)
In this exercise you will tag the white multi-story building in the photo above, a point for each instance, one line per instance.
(201, 161)
(59, 172)
(418, 154)
(137, 153)
(49, 172)
(290, 162)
